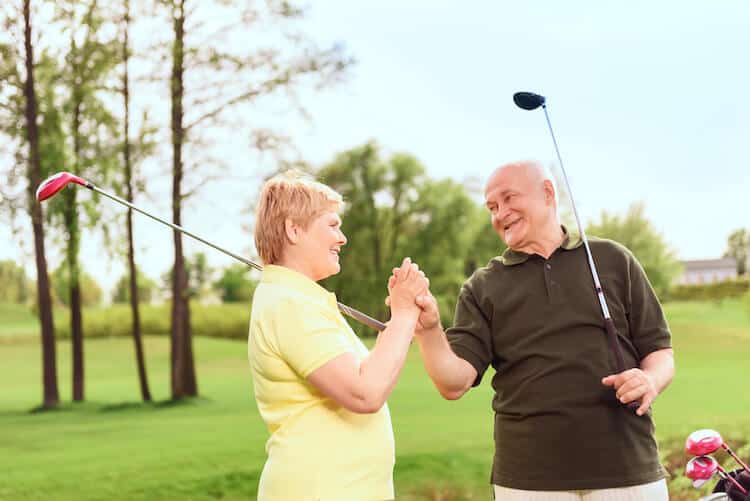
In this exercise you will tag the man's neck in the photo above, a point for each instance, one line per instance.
(546, 244)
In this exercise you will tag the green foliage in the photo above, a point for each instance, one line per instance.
(15, 286)
(91, 293)
(716, 291)
(738, 247)
(235, 285)
(146, 288)
(199, 275)
(635, 231)
(223, 321)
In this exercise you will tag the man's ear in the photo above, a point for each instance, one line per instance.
(549, 192)
(292, 231)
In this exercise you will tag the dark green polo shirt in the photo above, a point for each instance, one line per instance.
(538, 323)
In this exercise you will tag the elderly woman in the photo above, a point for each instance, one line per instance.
(320, 391)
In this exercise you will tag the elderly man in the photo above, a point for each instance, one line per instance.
(563, 430)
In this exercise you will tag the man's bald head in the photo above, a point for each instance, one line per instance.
(522, 200)
(529, 171)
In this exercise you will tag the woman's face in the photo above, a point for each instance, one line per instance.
(320, 245)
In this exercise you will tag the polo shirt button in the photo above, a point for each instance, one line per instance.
(548, 266)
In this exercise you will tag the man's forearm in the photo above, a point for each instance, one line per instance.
(659, 365)
(451, 374)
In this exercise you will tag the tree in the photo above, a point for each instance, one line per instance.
(211, 71)
(738, 247)
(635, 231)
(90, 292)
(15, 286)
(19, 105)
(89, 61)
(123, 289)
(139, 286)
(235, 286)
(198, 275)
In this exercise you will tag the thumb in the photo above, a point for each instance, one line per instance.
(609, 380)
(388, 300)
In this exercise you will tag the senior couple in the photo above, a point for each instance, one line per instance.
(563, 430)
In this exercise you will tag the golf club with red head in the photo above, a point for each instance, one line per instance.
(708, 441)
(702, 468)
(530, 101)
(52, 185)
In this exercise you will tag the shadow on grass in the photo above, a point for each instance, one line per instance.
(92, 407)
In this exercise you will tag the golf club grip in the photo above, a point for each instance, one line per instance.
(614, 345)
(361, 317)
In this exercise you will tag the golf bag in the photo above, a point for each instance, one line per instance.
(731, 492)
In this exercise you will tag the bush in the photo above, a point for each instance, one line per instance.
(710, 292)
(221, 320)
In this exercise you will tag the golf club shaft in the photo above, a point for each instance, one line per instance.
(735, 457)
(346, 310)
(608, 323)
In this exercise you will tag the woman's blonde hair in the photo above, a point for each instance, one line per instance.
(288, 196)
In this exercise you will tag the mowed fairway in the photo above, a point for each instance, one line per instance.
(113, 447)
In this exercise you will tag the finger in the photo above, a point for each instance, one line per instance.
(632, 395)
(403, 272)
(608, 380)
(645, 404)
(391, 282)
(628, 386)
(388, 301)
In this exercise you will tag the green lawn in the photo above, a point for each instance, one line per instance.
(112, 447)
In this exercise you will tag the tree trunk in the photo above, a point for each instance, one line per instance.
(44, 301)
(183, 371)
(74, 236)
(142, 377)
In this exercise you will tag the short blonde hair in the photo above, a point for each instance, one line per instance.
(288, 196)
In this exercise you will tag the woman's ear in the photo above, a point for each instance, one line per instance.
(292, 231)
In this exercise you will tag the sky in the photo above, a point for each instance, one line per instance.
(647, 101)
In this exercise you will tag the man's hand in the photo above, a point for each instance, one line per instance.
(633, 385)
(429, 316)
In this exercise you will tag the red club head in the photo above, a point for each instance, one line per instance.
(700, 469)
(55, 183)
(703, 442)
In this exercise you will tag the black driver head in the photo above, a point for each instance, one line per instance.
(528, 100)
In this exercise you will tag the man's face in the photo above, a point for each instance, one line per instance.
(520, 204)
(321, 242)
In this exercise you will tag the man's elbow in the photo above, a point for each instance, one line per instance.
(452, 393)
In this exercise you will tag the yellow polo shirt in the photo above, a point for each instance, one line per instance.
(317, 450)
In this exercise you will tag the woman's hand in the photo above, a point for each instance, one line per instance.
(405, 285)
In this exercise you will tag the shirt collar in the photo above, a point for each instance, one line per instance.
(512, 257)
(275, 274)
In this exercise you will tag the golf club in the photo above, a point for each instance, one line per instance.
(52, 185)
(702, 468)
(531, 101)
(708, 441)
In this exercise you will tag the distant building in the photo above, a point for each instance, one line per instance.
(706, 271)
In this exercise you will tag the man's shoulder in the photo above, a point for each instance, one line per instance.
(609, 249)
(484, 273)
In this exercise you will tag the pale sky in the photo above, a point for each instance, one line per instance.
(647, 100)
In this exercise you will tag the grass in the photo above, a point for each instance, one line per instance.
(113, 447)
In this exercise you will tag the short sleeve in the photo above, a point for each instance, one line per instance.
(470, 337)
(648, 325)
(309, 336)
